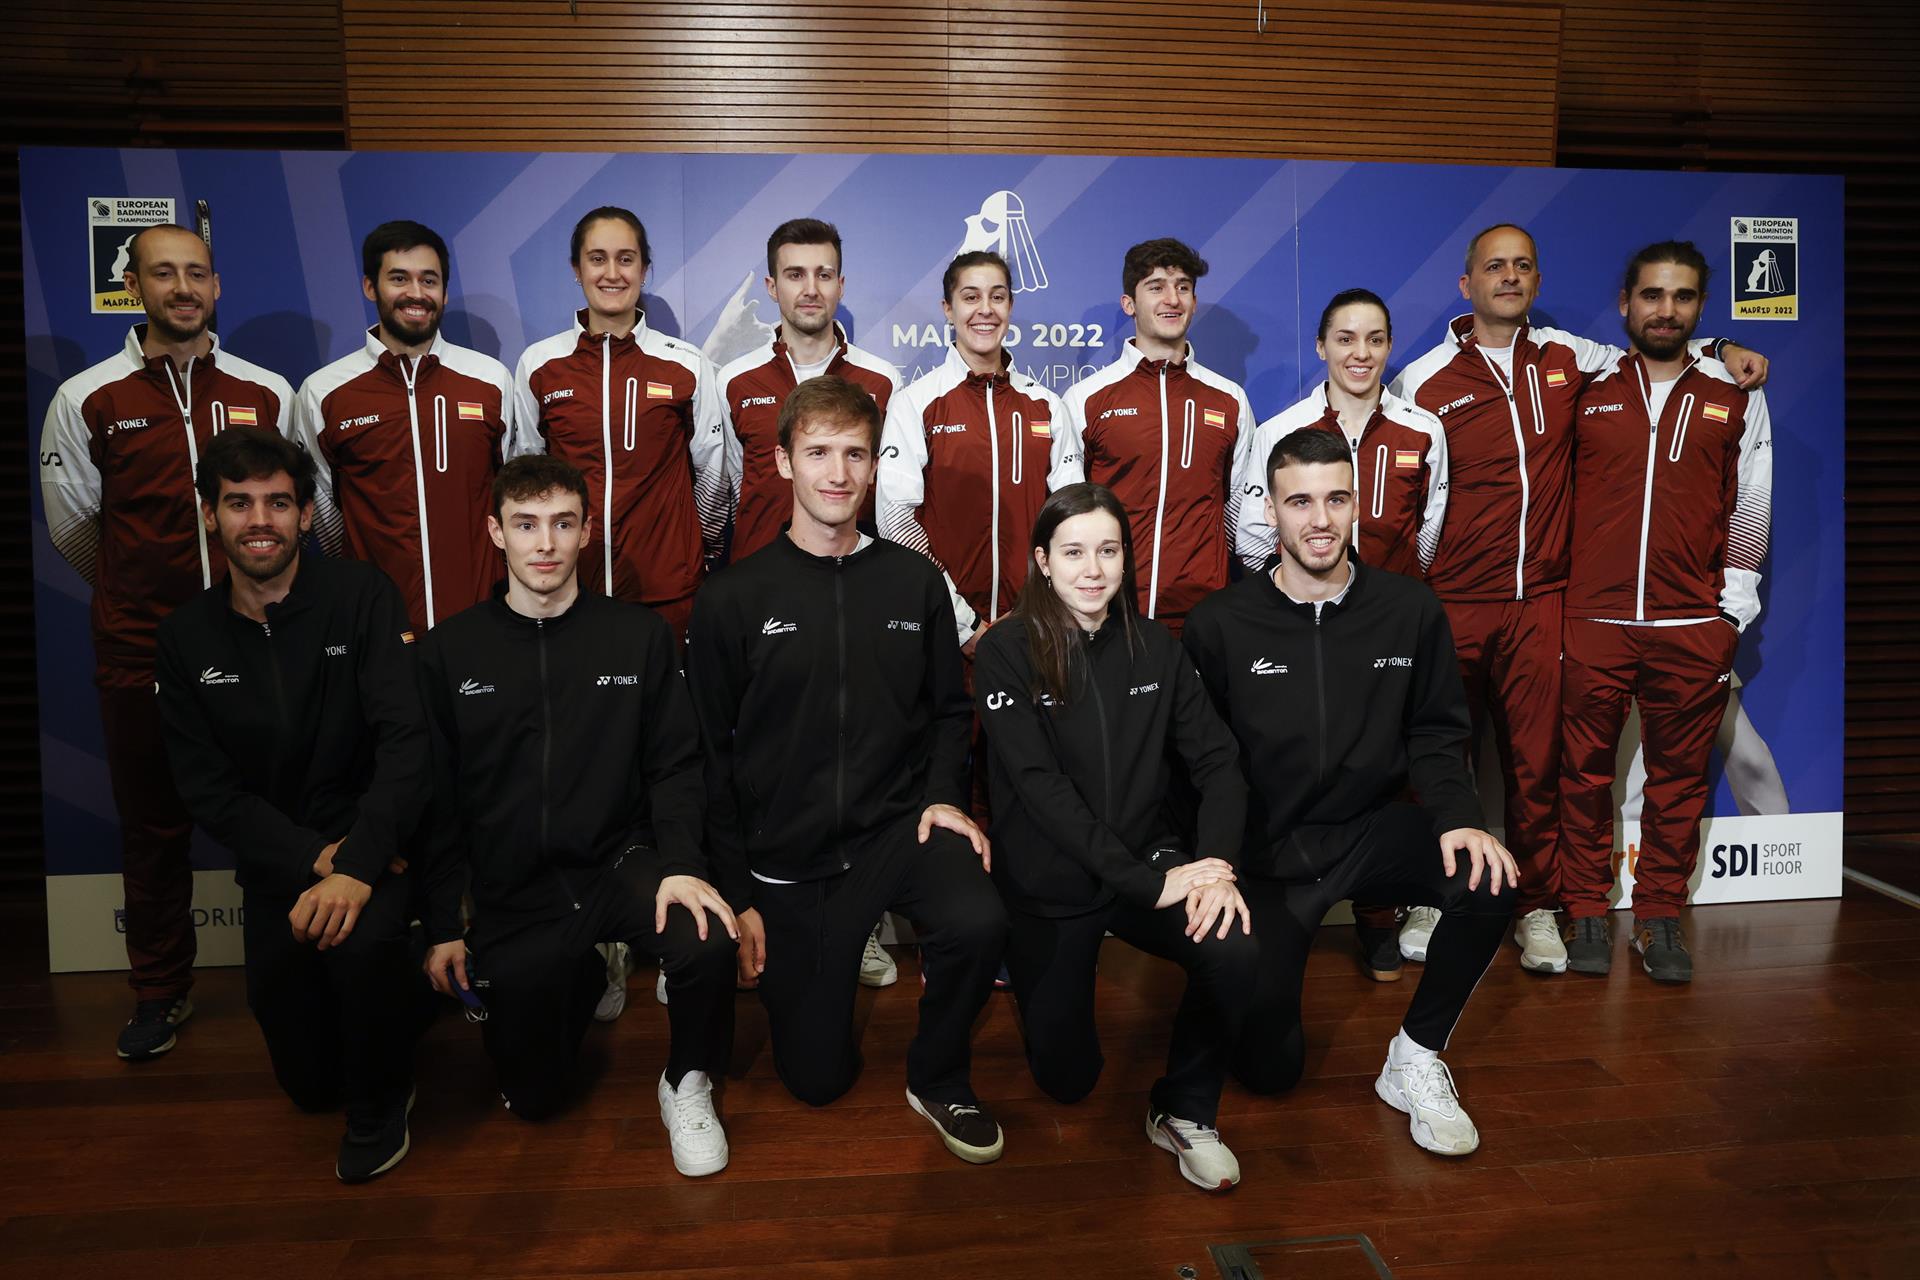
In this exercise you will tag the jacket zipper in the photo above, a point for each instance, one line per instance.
(546, 759)
(1106, 754)
(840, 732)
(1320, 699)
(409, 374)
(1520, 449)
(606, 456)
(993, 522)
(1160, 502)
(185, 404)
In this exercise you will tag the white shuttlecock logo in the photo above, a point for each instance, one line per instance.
(1001, 225)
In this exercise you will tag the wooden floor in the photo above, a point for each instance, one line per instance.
(1763, 1122)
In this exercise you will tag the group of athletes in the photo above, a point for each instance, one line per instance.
(979, 655)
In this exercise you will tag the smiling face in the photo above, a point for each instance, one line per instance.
(806, 285)
(174, 280)
(1310, 506)
(1504, 278)
(1162, 306)
(831, 466)
(979, 309)
(610, 268)
(1663, 310)
(410, 294)
(1356, 347)
(258, 523)
(1085, 563)
(542, 536)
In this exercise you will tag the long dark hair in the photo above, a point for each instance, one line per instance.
(1053, 632)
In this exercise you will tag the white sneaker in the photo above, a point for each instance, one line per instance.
(660, 987)
(1424, 1090)
(877, 968)
(613, 1001)
(1204, 1159)
(1541, 948)
(699, 1143)
(1417, 932)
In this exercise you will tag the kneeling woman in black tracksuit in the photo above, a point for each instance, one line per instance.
(1081, 698)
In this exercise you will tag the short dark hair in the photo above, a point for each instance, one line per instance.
(1308, 445)
(252, 453)
(1349, 298)
(1682, 253)
(533, 474)
(802, 231)
(972, 258)
(133, 243)
(398, 237)
(608, 213)
(1150, 255)
(829, 397)
(1474, 244)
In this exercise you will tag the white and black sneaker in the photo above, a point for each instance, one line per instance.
(377, 1139)
(613, 1001)
(699, 1143)
(1205, 1161)
(877, 968)
(150, 1032)
(1417, 932)
(965, 1127)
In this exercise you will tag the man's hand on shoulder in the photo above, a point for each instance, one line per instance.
(1748, 367)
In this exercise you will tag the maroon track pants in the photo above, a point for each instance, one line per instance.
(155, 832)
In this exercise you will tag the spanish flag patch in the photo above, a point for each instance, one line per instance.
(471, 412)
(1718, 412)
(1406, 458)
(1556, 378)
(1041, 428)
(238, 415)
(659, 391)
(1214, 418)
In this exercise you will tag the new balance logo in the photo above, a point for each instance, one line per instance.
(1264, 667)
(471, 687)
(214, 675)
(604, 681)
(775, 627)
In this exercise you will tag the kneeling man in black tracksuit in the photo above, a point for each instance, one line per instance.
(293, 726)
(568, 783)
(1340, 681)
(827, 681)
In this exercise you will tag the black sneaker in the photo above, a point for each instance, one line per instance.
(1589, 944)
(965, 1127)
(1663, 952)
(1379, 951)
(376, 1140)
(150, 1031)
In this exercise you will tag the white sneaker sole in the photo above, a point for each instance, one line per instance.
(1159, 1139)
(180, 1020)
(1416, 954)
(688, 1165)
(880, 977)
(971, 1154)
(1534, 964)
(1422, 1133)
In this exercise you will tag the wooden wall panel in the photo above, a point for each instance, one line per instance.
(1119, 76)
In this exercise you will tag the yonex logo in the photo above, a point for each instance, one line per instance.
(1379, 663)
(471, 687)
(775, 627)
(364, 420)
(604, 681)
(1266, 667)
(901, 624)
(336, 651)
(1451, 405)
(1589, 410)
(214, 675)
(1143, 688)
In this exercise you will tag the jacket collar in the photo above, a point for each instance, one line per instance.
(956, 364)
(136, 353)
(791, 552)
(833, 363)
(377, 352)
(1460, 332)
(1269, 591)
(1130, 351)
(589, 339)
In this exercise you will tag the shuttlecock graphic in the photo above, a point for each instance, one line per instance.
(738, 329)
(1001, 225)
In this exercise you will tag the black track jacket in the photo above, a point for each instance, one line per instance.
(560, 745)
(1338, 714)
(831, 705)
(287, 735)
(1078, 787)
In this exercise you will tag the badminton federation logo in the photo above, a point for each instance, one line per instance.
(1766, 268)
(1001, 225)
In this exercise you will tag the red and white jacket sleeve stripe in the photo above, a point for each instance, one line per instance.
(70, 484)
(900, 487)
(711, 492)
(1750, 522)
(1434, 514)
(308, 420)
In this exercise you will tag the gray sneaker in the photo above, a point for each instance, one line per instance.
(1663, 952)
(1589, 945)
(150, 1031)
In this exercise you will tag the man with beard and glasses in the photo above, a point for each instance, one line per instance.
(294, 728)
(407, 433)
(1503, 389)
(1673, 480)
(117, 459)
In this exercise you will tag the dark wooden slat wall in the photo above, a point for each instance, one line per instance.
(1817, 88)
(1711, 84)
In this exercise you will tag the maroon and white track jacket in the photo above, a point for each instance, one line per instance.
(1400, 478)
(1670, 513)
(1170, 438)
(965, 462)
(118, 453)
(407, 450)
(753, 388)
(640, 416)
